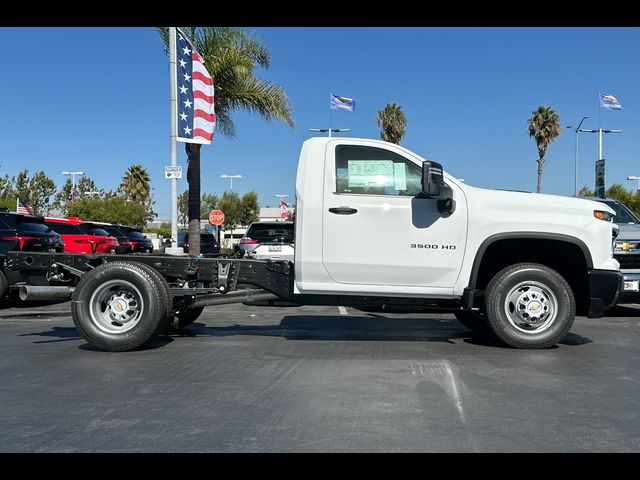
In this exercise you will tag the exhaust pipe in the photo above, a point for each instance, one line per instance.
(31, 292)
(234, 297)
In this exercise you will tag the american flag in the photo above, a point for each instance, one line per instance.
(284, 212)
(196, 115)
(23, 208)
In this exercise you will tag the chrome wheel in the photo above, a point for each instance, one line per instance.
(116, 306)
(531, 307)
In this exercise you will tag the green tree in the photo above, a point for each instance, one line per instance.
(7, 194)
(183, 207)
(86, 186)
(231, 205)
(208, 202)
(136, 185)
(392, 122)
(250, 208)
(35, 191)
(67, 193)
(586, 192)
(544, 127)
(109, 208)
(231, 56)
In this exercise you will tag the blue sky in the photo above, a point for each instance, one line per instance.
(97, 100)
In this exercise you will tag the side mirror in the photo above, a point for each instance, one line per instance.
(433, 186)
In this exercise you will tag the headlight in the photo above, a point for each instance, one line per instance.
(602, 215)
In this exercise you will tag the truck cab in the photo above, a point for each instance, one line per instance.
(439, 238)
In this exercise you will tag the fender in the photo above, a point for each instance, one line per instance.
(517, 235)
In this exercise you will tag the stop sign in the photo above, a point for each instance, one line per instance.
(216, 217)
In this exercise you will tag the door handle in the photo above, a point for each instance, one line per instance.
(343, 210)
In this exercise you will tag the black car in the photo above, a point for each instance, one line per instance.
(131, 239)
(208, 244)
(27, 233)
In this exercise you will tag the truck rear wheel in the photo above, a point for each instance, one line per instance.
(119, 306)
(530, 305)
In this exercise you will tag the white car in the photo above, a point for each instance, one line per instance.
(268, 240)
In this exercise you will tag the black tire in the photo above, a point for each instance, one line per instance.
(530, 305)
(4, 285)
(475, 320)
(188, 316)
(164, 290)
(119, 306)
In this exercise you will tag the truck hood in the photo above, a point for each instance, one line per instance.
(552, 206)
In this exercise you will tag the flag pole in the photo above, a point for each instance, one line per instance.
(330, 114)
(173, 102)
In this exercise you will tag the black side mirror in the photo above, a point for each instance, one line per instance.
(433, 186)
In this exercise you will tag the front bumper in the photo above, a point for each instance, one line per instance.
(605, 287)
(630, 287)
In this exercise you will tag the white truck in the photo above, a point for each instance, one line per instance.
(375, 224)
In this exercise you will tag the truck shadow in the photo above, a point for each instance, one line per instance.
(370, 328)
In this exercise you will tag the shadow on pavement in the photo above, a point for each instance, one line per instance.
(371, 328)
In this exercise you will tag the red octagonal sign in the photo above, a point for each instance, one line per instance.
(216, 217)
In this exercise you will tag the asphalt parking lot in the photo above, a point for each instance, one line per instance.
(317, 379)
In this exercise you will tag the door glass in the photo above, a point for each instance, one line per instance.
(375, 171)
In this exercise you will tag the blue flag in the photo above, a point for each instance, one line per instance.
(609, 101)
(342, 103)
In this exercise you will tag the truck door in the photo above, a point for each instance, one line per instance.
(376, 229)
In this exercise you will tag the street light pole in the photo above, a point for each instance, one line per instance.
(73, 182)
(599, 131)
(637, 179)
(231, 177)
(577, 130)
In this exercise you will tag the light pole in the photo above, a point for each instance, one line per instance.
(637, 179)
(338, 130)
(600, 131)
(231, 177)
(73, 182)
(577, 130)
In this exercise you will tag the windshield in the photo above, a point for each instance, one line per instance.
(623, 214)
(133, 235)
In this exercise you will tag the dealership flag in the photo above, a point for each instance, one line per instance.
(196, 115)
(342, 103)
(284, 212)
(23, 208)
(609, 101)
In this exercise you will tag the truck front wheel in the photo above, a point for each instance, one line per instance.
(529, 305)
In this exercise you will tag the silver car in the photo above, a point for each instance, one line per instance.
(268, 240)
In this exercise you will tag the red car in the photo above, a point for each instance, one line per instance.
(82, 237)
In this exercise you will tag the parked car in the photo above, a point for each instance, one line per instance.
(209, 246)
(82, 237)
(131, 239)
(27, 233)
(268, 240)
(626, 248)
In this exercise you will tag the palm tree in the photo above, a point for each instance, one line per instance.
(544, 127)
(392, 123)
(136, 184)
(230, 55)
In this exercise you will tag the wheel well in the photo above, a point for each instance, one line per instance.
(564, 257)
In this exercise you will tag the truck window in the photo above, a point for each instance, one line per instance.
(375, 171)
